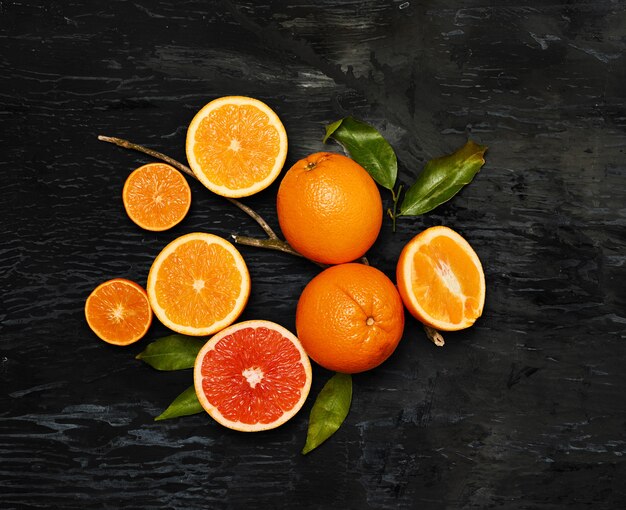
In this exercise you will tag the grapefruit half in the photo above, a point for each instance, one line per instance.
(252, 376)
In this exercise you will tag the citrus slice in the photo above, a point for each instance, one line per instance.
(156, 196)
(441, 280)
(252, 376)
(236, 146)
(118, 311)
(198, 284)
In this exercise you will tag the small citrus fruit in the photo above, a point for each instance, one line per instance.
(118, 311)
(252, 376)
(329, 208)
(198, 284)
(350, 318)
(236, 146)
(441, 280)
(156, 196)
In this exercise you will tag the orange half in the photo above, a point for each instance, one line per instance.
(441, 279)
(236, 146)
(118, 311)
(156, 196)
(252, 376)
(198, 284)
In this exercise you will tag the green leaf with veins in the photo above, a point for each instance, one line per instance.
(185, 404)
(329, 410)
(174, 352)
(442, 178)
(367, 147)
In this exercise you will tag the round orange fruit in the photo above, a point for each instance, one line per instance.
(236, 146)
(198, 284)
(118, 311)
(350, 318)
(156, 196)
(441, 279)
(252, 376)
(329, 208)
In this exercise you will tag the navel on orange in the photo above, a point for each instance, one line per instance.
(441, 279)
(236, 146)
(350, 318)
(118, 311)
(156, 196)
(198, 284)
(329, 208)
(252, 376)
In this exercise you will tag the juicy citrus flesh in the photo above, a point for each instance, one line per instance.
(118, 311)
(236, 146)
(252, 376)
(198, 284)
(350, 318)
(441, 279)
(329, 208)
(156, 196)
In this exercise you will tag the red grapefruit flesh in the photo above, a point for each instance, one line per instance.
(252, 376)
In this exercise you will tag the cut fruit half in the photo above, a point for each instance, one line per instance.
(156, 196)
(198, 284)
(252, 376)
(118, 311)
(441, 279)
(236, 146)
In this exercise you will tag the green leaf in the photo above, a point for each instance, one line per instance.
(330, 409)
(331, 128)
(174, 352)
(442, 178)
(184, 404)
(367, 147)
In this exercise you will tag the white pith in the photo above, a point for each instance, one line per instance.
(117, 314)
(234, 145)
(449, 278)
(253, 375)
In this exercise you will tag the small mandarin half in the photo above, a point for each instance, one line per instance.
(350, 318)
(441, 279)
(198, 284)
(329, 208)
(236, 146)
(156, 196)
(252, 376)
(118, 311)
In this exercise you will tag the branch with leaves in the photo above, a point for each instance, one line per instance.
(438, 182)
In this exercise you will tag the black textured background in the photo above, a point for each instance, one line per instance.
(524, 410)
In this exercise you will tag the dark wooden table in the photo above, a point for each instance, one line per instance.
(524, 410)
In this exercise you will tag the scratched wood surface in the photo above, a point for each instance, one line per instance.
(524, 410)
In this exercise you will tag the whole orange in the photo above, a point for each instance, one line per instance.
(350, 318)
(329, 208)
